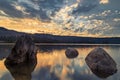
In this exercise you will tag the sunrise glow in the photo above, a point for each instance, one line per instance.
(104, 1)
(70, 18)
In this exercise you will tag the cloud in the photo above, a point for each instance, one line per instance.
(86, 6)
(7, 8)
(44, 9)
(3, 13)
(92, 17)
(69, 11)
(104, 1)
(105, 23)
(89, 17)
(41, 9)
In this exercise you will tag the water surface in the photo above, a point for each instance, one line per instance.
(52, 64)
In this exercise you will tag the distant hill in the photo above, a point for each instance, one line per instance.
(11, 36)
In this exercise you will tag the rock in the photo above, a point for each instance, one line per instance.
(101, 63)
(22, 71)
(23, 50)
(71, 53)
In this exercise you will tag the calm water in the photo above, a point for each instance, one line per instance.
(52, 64)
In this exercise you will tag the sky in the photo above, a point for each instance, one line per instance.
(93, 18)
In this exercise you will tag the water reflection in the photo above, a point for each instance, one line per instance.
(62, 67)
(52, 64)
(22, 71)
(4, 51)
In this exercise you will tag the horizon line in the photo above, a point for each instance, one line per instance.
(74, 44)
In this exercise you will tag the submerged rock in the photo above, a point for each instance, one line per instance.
(23, 50)
(71, 53)
(101, 63)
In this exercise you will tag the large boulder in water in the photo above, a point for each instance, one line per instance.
(71, 53)
(101, 63)
(23, 50)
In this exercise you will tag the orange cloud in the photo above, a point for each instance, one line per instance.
(104, 1)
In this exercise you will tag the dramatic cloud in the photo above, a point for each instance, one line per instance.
(91, 17)
(44, 9)
(7, 8)
(101, 24)
(41, 9)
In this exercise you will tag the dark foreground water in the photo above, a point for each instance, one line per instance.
(52, 64)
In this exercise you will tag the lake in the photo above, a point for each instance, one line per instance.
(52, 64)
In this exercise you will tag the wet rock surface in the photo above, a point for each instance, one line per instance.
(71, 53)
(101, 63)
(24, 50)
